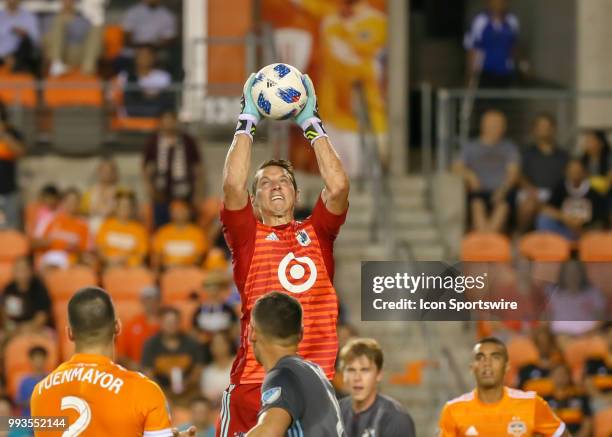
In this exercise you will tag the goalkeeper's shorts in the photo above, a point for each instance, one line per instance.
(239, 408)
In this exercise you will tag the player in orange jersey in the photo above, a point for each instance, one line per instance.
(493, 409)
(273, 251)
(99, 397)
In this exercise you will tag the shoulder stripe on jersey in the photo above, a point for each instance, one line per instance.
(161, 433)
(520, 394)
(559, 432)
(466, 397)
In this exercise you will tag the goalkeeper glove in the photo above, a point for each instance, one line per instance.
(249, 115)
(308, 118)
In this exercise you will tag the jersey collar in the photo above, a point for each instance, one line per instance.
(90, 358)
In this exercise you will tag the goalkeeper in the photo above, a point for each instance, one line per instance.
(274, 252)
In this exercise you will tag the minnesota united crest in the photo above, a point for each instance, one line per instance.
(303, 238)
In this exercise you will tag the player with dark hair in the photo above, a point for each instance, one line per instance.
(297, 398)
(99, 397)
(365, 411)
(493, 409)
(273, 251)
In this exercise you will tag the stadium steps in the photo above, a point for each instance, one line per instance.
(413, 219)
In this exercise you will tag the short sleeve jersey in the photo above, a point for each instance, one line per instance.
(99, 398)
(295, 258)
(301, 389)
(518, 413)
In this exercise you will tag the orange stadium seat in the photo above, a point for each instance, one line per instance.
(16, 360)
(63, 283)
(6, 274)
(521, 351)
(596, 246)
(485, 247)
(113, 41)
(127, 309)
(595, 250)
(73, 89)
(13, 245)
(544, 246)
(125, 283)
(138, 124)
(18, 89)
(178, 283)
(578, 350)
(603, 423)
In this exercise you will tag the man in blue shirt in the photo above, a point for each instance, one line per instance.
(19, 37)
(491, 43)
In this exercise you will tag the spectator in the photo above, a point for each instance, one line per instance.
(543, 167)
(65, 240)
(121, 240)
(574, 206)
(573, 303)
(11, 149)
(148, 23)
(25, 302)
(72, 41)
(596, 158)
(492, 46)
(569, 402)
(173, 358)
(202, 417)
(490, 168)
(44, 211)
(598, 375)
(180, 242)
(140, 328)
(216, 375)
(215, 314)
(38, 361)
(536, 376)
(144, 87)
(98, 202)
(172, 168)
(19, 38)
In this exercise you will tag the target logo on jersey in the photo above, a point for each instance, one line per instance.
(297, 274)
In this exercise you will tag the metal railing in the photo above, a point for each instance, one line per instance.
(381, 228)
(454, 125)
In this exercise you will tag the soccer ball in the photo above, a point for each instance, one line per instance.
(278, 91)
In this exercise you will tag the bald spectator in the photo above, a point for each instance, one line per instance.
(19, 38)
(490, 167)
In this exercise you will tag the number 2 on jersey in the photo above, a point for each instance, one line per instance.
(82, 422)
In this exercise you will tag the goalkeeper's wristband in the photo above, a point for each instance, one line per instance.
(313, 129)
(246, 125)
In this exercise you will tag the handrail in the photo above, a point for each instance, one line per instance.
(380, 225)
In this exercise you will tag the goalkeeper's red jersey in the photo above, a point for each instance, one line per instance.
(296, 258)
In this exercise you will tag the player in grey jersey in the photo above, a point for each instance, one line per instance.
(366, 413)
(297, 400)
